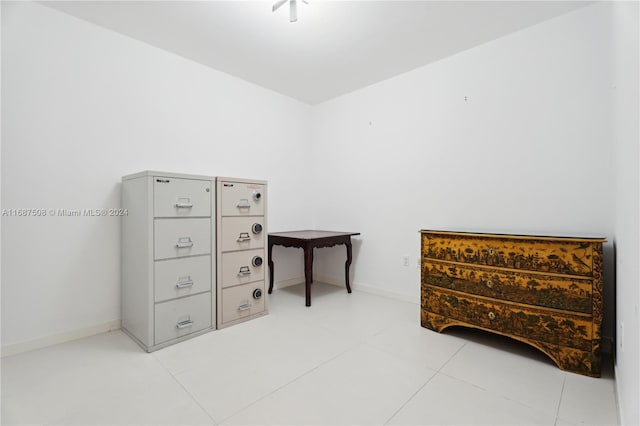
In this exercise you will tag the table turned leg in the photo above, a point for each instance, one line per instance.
(270, 261)
(347, 264)
(308, 273)
(311, 273)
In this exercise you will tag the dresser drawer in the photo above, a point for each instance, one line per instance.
(177, 318)
(241, 233)
(558, 292)
(181, 277)
(181, 237)
(554, 255)
(242, 301)
(242, 199)
(539, 325)
(242, 267)
(173, 197)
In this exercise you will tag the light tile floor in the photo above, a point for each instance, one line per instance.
(348, 359)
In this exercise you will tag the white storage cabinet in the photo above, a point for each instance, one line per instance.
(168, 262)
(241, 250)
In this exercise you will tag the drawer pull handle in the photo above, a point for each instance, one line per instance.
(184, 284)
(492, 316)
(244, 236)
(244, 203)
(489, 283)
(245, 306)
(184, 324)
(184, 242)
(184, 205)
(244, 271)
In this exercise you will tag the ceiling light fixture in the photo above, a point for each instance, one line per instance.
(293, 8)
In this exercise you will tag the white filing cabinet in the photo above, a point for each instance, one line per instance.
(241, 250)
(168, 262)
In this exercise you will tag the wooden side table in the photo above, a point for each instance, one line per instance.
(308, 240)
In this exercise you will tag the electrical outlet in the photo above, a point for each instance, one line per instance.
(405, 260)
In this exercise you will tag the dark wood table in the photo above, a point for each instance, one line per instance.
(308, 240)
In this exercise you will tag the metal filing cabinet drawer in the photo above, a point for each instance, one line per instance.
(242, 233)
(242, 267)
(181, 237)
(242, 199)
(179, 317)
(173, 197)
(242, 301)
(181, 277)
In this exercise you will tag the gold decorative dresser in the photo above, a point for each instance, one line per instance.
(544, 291)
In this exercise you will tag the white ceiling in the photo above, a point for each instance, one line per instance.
(334, 48)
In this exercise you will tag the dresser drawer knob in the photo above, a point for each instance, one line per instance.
(184, 284)
(489, 283)
(244, 271)
(184, 324)
(244, 236)
(492, 316)
(184, 242)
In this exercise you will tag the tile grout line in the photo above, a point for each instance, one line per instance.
(175, 379)
(438, 371)
(505, 397)
(498, 395)
(564, 381)
(410, 398)
(452, 356)
(286, 384)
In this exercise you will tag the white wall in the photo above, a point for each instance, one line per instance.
(625, 21)
(529, 151)
(82, 106)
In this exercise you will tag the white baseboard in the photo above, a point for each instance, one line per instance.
(366, 289)
(385, 293)
(288, 283)
(43, 342)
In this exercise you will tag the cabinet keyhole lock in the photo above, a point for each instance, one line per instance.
(257, 293)
(257, 195)
(256, 228)
(256, 261)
